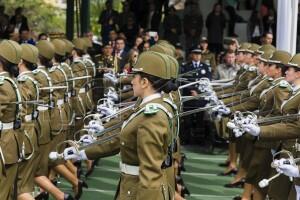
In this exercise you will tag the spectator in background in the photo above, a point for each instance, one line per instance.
(192, 24)
(19, 21)
(207, 57)
(172, 26)
(153, 17)
(4, 22)
(146, 46)
(228, 69)
(120, 52)
(215, 24)
(138, 42)
(270, 23)
(123, 16)
(233, 18)
(43, 36)
(132, 58)
(255, 27)
(112, 36)
(25, 37)
(130, 30)
(109, 20)
(267, 38)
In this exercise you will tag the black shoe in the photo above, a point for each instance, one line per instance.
(185, 192)
(81, 184)
(68, 197)
(237, 198)
(42, 196)
(229, 173)
(225, 164)
(238, 184)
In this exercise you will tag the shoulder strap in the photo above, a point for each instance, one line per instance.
(49, 82)
(18, 94)
(71, 72)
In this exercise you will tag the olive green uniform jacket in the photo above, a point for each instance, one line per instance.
(143, 142)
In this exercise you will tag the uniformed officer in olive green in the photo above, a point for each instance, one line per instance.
(91, 68)
(65, 73)
(79, 70)
(10, 56)
(143, 147)
(207, 57)
(285, 130)
(30, 92)
(47, 122)
(270, 105)
(243, 146)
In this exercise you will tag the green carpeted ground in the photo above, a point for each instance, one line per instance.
(200, 177)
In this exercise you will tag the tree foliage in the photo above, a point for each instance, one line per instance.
(42, 17)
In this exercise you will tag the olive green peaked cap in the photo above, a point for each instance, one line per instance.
(280, 57)
(87, 42)
(60, 47)
(253, 48)
(161, 49)
(295, 61)
(30, 53)
(80, 44)
(11, 51)
(166, 44)
(69, 45)
(266, 47)
(174, 67)
(46, 49)
(244, 47)
(153, 63)
(266, 56)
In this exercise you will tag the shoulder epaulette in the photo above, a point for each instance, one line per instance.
(151, 109)
(252, 69)
(1, 80)
(22, 78)
(36, 71)
(52, 69)
(283, 84)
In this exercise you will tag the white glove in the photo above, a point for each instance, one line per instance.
(237, 132)
(252, 129)
(95, 127)
(283, 166)
(112, 95)
(106, 111)
(87, 139)
(71, 153)
(224, 110)
(111, 77)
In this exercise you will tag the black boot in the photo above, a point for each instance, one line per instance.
(81, 184)
(42, 196)
(68, 197)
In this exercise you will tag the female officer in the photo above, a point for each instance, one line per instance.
(287, 129)
(145, 136)
(30, 92)
(10, 56)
